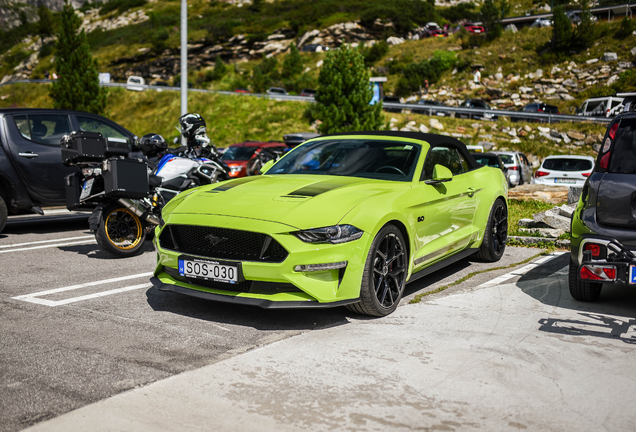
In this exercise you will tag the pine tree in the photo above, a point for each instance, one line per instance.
(219, 68)
(293, 64)
(45, 23)
(490, 15)
(562, 34)
(344, 94)
(586, 32)
(77, 86)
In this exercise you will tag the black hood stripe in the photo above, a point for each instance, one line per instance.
(227, 185)
(316, 189)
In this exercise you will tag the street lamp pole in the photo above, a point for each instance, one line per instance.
(184, 57)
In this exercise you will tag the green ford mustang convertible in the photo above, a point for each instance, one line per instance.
(345, 219)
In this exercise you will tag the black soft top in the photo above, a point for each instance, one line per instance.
(432, 139)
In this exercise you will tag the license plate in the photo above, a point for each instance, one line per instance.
(86, 189)
(208, 270)
(561, 180)
(632, 274)
(477, 31)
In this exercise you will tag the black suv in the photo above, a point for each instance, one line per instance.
(31, 170)
(603, 247)
(537, 107)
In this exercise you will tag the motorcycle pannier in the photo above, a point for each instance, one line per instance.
(72, 183)
(125, 178)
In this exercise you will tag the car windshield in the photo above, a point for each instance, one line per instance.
(507, 159)
(567, 164)
(486, 160)
(377, 159)
(239, 153)
(623, 158)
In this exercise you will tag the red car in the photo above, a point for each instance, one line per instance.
(473, 28)
(238, 155)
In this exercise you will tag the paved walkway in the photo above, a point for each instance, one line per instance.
(515, 356)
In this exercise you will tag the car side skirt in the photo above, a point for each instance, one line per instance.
(450, 260)
(265, 304)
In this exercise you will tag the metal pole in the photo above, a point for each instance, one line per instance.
(184, 57)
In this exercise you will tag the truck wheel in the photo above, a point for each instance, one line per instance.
(120, 232)
(3, 214)
(582, 291)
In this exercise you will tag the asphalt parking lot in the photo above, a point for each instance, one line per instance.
(80, 327)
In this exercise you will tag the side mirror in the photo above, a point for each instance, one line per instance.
(441, 174)
(267, 166)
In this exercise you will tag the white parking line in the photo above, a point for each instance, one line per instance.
(46, 241)
(35, 297)
(66, 243)
(523, 270)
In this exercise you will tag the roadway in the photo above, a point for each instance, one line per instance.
(84, 333)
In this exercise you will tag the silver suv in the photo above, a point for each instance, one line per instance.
(519, 168)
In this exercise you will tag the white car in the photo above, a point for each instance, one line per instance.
(135, 83)
(564, 170)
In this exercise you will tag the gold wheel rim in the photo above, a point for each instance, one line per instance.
(124, 216)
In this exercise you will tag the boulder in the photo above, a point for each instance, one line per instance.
(570, 83)
(574, 194)
(633, 51)
(538, 192)
(393, 40)
(610, 56)
(565, 138)
(565, 210)
(511, 28)
(544, 129)
(553, 220)
(597, 147)
(423, 129)
(594, 139)
(435, 124)
(531, 223)
(577, 136)
(592, 61)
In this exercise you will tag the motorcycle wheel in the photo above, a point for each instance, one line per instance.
(120, 233)
(254, 167)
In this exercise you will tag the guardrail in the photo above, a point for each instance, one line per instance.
(413, 107)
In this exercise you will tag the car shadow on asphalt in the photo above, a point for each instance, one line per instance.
(429, 282)
(44, 227)
(611, 316)
(94, 251)
(251, 316)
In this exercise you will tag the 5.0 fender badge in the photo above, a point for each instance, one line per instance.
(420, 218)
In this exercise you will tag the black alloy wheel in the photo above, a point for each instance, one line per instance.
(496, 234)
(384, 275)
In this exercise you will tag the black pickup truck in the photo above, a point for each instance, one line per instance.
(31, 170)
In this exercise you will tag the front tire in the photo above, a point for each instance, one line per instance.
(582, 291)
(120, 232)
(496, 234)
(384, 275)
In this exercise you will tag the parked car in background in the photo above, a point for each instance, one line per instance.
(608, 106)
(314, 48)
(541, 23)
(477, 104)
(277, 91)
(519, 168)
(431, 29)
(475, 148)
(575, 19)
(603, 242)
(429, 107)
(237, 156)
(491, 160)
(31, 170)
(391, 99)
(564, 170)
(472, 28)
(536, 107)
(308, 92)
(241, 90)
(135, 83)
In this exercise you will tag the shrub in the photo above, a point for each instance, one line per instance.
(626, 29)
(490, 16)
(293, 63)
(45, 23)
(461, 11)
(343, 94)
(375, 53)
(159, 39)
(414, 74)
(562, 34)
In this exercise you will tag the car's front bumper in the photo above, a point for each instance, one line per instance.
(271, 282)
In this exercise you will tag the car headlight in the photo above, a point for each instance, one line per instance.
(333, 234)
(235, 169)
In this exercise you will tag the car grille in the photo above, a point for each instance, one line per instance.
(248, 286)
(222, 243)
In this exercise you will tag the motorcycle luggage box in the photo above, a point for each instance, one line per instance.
(79, 146)
(72, 184)
(126, 178)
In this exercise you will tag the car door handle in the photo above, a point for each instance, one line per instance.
(28, 155)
